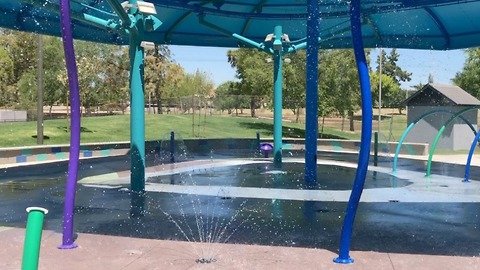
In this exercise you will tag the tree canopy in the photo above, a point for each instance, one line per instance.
(469, 79)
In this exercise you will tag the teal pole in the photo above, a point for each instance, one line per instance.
(399, 145)
(33, 236)
(405, 133)
(439, 134)
(432, 150)
(277, 97)
(137, 116)
(375, 148)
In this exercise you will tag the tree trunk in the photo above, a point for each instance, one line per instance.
(323, 124)
(350, 118)
(252, 106)
(297, 114)
(158, 99)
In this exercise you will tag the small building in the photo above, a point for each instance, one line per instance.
(443, 101)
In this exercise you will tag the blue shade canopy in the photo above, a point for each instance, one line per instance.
(416, 24)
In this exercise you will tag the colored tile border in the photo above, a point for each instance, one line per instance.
(20, 159)
(61, 155)
(42, 157)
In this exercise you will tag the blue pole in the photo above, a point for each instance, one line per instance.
(366, 137)
(277, 97)
(375, 149)
(469, 159)
(470, 155)
(137, 116)
(172, 147)
(311, 106)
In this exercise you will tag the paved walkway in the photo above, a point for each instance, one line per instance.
(114, 253)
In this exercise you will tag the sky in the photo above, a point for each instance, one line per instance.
(441, 64)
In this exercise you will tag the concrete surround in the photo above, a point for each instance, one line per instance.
(15, 155)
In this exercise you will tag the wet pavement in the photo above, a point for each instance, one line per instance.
(448, 227)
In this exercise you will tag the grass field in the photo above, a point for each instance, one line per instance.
(117, 128)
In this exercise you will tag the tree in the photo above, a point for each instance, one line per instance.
(392, 77)
(227, 98)
(116, 65)
(294, 83)
(390, 67)
(6, 73)
(338, 78)
(390, 90)
(198, 84)
(91, 73)
(54, 91)
(469, 79)
(254, 73)
(21, 48)
(157, 64)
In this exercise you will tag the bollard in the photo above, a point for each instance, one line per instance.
(33, 235)
(172, 147)
(258, 142)
(375, 149)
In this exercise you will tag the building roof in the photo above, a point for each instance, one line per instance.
(431, 93)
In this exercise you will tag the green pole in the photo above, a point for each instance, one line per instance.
(33, 235)
(277, 97)
(137, 115)
(432, 150)
(375, 149)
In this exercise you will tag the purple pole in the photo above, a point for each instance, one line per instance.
(67, 242)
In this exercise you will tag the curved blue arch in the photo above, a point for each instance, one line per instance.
(407, 130)
(70, 189)
(469, 158)
(367, 115)
(440, 132)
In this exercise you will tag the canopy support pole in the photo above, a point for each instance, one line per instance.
(367, 116)
(137, 115)
(70, 189)
(277, 97)
(311, 103)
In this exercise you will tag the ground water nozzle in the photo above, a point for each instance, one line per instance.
(33, 236)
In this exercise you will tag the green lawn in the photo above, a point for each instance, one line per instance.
(117, 128)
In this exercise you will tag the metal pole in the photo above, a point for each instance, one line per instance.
(375, 149)
(40, 91)
(380, 90)
(366, 138)
(74, 98)
(258, 142)
(137, 116)
(277, 99)
(311, 106)
(172, 146)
